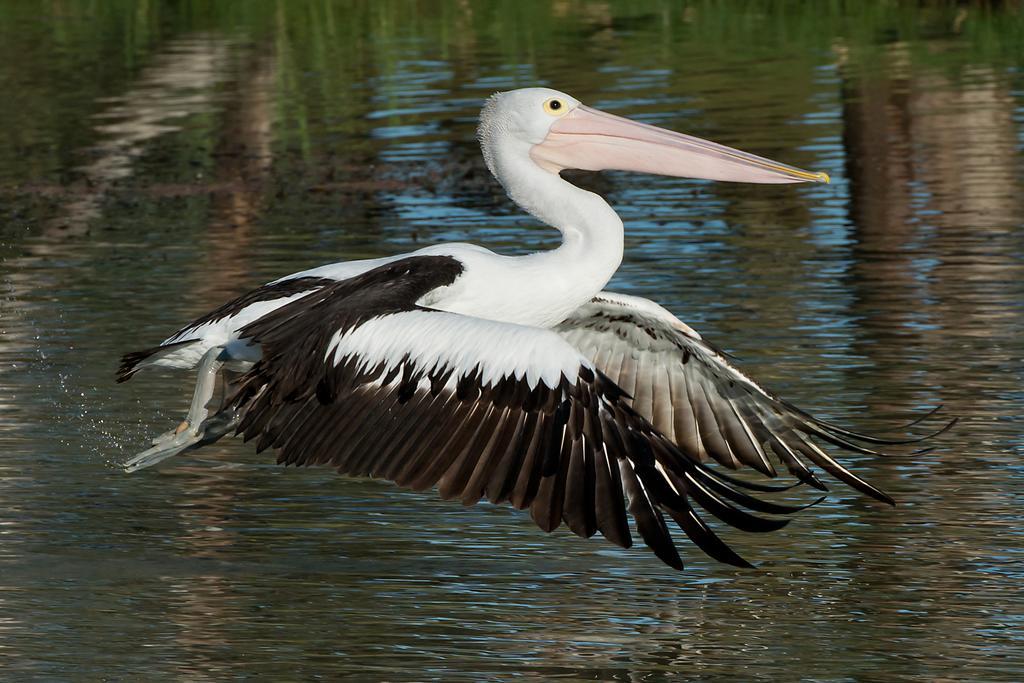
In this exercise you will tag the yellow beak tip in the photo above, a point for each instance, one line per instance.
(823, 177)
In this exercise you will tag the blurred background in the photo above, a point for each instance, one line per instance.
(158, 158)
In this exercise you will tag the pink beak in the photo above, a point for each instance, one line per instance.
(592, 140)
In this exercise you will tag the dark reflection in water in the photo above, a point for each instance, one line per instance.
(156, 159)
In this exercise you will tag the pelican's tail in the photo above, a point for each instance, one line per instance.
(183, 354)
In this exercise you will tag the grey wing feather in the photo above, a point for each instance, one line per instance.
(690, 392)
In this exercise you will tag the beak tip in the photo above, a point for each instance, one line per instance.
(823, 177)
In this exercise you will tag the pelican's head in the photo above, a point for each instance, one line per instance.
(561, 133)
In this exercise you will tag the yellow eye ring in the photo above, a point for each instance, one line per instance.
(554, 106)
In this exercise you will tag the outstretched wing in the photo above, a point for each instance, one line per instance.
(690, 393)
(357, 376)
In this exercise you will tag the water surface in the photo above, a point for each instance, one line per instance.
(158, 159)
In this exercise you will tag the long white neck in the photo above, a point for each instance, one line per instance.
(592, 235)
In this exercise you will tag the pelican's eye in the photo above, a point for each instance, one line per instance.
(554, 106)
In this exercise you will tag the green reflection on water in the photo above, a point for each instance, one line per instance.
(62, 56)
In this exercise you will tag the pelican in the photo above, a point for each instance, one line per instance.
(515, 378)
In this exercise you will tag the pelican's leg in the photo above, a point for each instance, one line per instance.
(189, 433)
